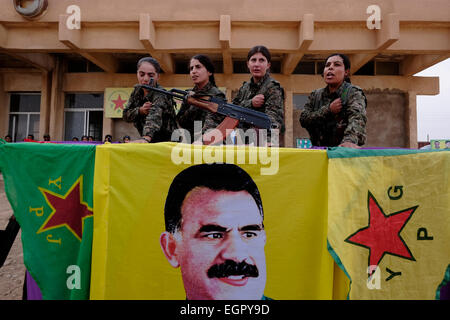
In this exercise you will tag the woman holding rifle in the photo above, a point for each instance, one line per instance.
(201, 71)
(152, 113)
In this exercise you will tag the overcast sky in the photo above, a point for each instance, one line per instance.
(433, 112)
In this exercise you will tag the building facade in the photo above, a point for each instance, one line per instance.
(59, 57)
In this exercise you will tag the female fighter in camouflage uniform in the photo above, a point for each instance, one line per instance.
(201, 71)
(262, 93)
(152, 113)
(336, 115)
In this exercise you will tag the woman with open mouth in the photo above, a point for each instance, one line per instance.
(336, 115)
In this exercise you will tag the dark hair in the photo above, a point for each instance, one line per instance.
(263, 50)
(346, 61)
(32, 136)
(206, 61)
(152, 61)
(215, 176)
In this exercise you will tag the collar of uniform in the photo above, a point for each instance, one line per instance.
(260, 82)
(338, 92)
(206, 88)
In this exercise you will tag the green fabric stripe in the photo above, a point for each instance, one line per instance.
(341, 265)
(443, 283)
(340, 152)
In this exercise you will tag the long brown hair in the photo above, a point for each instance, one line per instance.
(206, 61)
(262, 49)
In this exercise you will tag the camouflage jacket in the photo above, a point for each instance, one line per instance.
(160, 121)
(188, 113)
(327, 129)
(273, 100)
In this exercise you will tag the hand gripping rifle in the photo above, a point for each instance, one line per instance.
(233, 113)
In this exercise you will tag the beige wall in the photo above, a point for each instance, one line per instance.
(388, 119)
(414, 33)
(386, 110)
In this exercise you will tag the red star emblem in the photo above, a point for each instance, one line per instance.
(68, 210)
(118, 103)
(382, 235)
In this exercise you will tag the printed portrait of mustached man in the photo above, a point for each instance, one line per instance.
(214, 232)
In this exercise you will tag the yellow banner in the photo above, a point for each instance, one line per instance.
(280, 248)
(389, 223)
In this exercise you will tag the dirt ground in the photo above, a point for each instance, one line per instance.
(13, 271)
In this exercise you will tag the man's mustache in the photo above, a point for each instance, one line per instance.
(233, 268)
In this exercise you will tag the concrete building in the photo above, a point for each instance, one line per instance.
(57, 61)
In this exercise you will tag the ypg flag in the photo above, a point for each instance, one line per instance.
(389, 221)
(280, 255)
(50, 188)
(115, 100)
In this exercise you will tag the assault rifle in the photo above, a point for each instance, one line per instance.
(233, 113)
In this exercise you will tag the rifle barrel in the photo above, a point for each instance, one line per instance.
(256, 118)
(179, 94)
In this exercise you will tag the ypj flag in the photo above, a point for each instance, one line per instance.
(50, 188)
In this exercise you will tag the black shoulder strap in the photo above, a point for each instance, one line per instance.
(316, 100)
(345, 91)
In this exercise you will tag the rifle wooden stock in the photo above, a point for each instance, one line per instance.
(233, 113)
(203, 104)
(225, 128)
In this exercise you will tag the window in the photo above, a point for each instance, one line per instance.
(240, 66)
(182, 67)
(83, 115)
(387, 68)
(366, 70)
(299, 101)
(305, 67)
(309, 67)
(24, 115)
(300, 133)
(81, 65)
